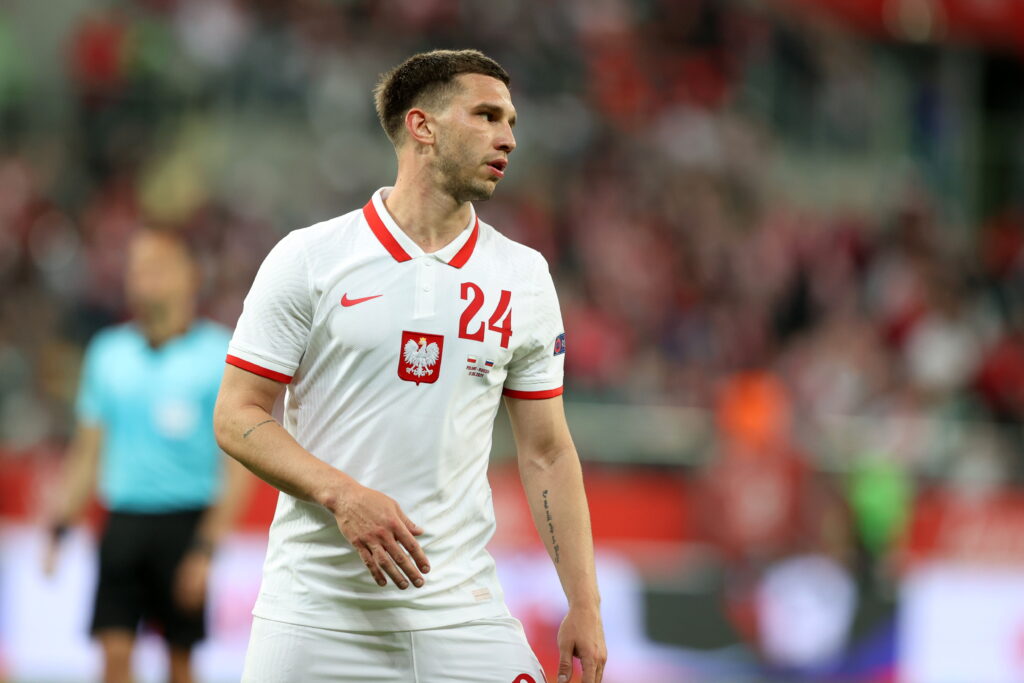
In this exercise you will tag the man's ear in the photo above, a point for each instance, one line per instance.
(420, 126)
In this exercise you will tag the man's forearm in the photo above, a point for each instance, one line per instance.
(252, 437)
(558, 502)
(79, 478)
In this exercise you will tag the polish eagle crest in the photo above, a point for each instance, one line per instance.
(421, 357)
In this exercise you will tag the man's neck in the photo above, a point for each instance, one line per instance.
(430, 217)
(159, 332)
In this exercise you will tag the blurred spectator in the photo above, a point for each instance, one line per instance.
(144, 438)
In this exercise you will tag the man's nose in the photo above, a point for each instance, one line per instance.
(507, 142)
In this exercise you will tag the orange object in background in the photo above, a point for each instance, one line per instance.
(753, 410)
(756, 479)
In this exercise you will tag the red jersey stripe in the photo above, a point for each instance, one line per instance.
(257, 370)
(548, 393)
(383, 234)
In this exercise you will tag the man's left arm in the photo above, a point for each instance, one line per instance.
(553, 480)
(215, 524)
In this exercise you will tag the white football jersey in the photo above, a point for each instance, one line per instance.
(396, 361)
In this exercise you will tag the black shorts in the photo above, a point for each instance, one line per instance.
(139, 558)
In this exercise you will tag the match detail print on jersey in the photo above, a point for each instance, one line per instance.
(419, 358)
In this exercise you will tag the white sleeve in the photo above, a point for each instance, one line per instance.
(538, 364)
(273, 330)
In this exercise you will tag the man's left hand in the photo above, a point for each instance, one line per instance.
(581, 635)
(190, 584)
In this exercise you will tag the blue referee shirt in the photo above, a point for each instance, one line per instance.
(155, 407)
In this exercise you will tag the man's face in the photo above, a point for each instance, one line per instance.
(474, 137)
(159, 276)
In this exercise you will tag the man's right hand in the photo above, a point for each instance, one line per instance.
(382, 535)
(50, 554)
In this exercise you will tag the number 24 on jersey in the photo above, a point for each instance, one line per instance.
(500, 321)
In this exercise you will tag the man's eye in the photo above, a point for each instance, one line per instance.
(487, 115)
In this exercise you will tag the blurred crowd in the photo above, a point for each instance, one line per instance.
(651, 172)
(741, 214)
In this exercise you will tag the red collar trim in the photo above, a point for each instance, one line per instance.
(466, 251)
(384, 236)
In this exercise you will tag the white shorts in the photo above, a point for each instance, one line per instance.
(480, 651)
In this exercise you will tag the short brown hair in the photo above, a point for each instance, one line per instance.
(426, 78)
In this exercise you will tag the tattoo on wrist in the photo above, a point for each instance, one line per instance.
(250, 430)
(551, 526)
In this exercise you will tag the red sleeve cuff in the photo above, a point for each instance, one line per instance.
(257, 370)
(533, 395)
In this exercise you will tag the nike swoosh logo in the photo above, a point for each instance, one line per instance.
(346, 302)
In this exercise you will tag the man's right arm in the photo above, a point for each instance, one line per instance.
(246, 431)
(77, 484)
(374, 523)
(81, 466)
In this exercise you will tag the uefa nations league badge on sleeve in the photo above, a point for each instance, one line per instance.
(560, 344)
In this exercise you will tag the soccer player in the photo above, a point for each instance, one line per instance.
(145, 431)
(396, 329)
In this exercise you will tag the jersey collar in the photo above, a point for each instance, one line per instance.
(401, 247)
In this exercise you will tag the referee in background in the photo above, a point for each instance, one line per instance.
(144, 434)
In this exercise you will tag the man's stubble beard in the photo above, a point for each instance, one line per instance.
(456, 180)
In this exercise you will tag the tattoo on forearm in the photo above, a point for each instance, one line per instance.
(250, 430)
(551, 526)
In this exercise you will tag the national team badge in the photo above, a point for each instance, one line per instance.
(559, 344)
(420, 357)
